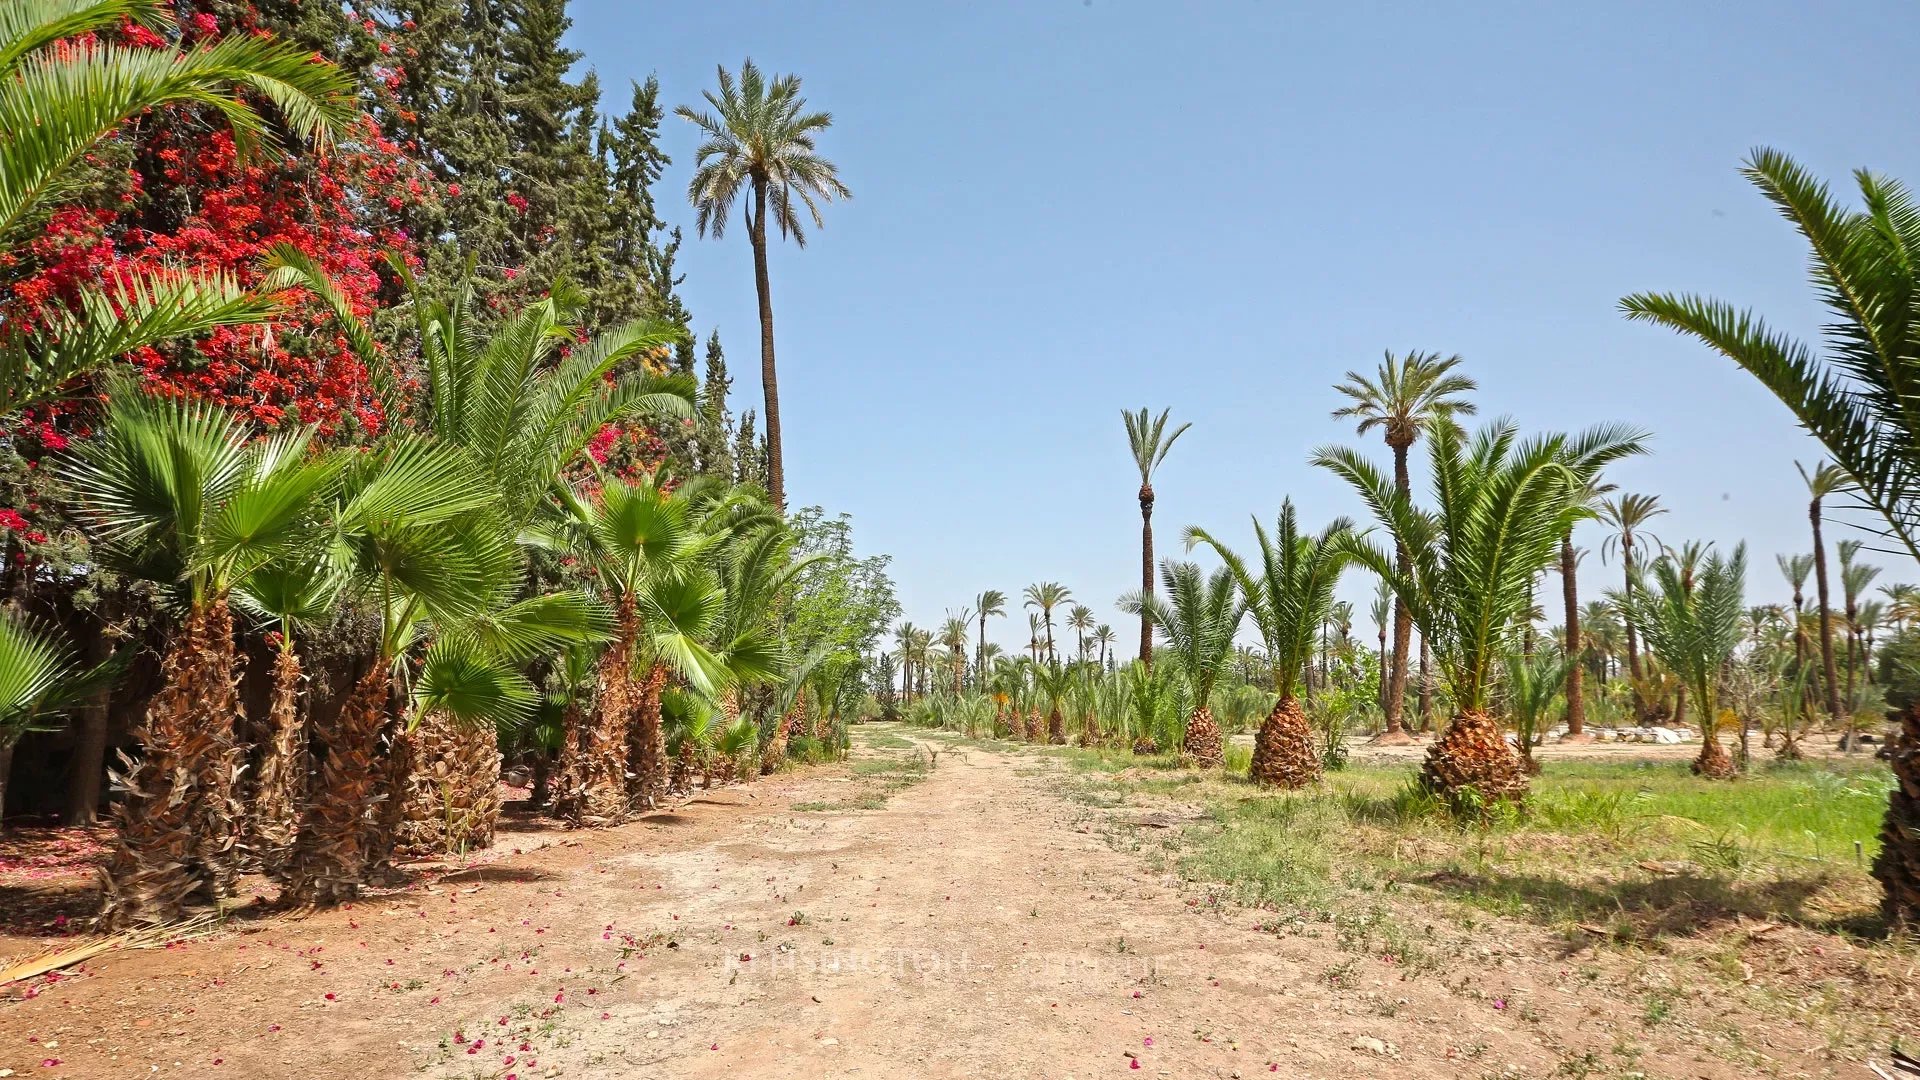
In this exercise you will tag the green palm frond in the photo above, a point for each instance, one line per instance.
(1148, 439)
(760, 132)
(39, 677)
(1293, 592)
(1690, 617)
(469, 683)
(1197, 621)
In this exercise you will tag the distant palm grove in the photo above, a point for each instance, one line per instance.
(364, 468)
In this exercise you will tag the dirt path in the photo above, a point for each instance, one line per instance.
(975, 925)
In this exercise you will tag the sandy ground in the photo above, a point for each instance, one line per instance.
(978, 925)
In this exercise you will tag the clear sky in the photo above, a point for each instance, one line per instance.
(1063, 209)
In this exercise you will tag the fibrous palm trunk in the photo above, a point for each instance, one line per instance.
(593, 784)
(333, 853)
(1036, 727)
(176, 834)
(1898, 864)
(649, 744)
(1056, 727)
(429, 793)
(273, 820)
(1473, 754)
(1283, 753)
(776, 749)
(1204, 743)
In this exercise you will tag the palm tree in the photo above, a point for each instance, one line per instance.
(903, 637)
(1503, 507)
(39, 680)
(1290, 597)
(57, 102)
(991, 602)
(1046, 596)
(1197, 621)
(1411, 395)
(761, 136)
(1590, 501)
(1627, 515)
(1532, 685)
(1148, 439)
(953, 637)
(180, 494)
(1855, 578)
(1826, 479)
(1854, 399)
(1382, 612)
(1080, 620)
(1796, 568)
(1103, 637)
(287, 596)
(1903, 603)
(1055, 682)
(1691, 620)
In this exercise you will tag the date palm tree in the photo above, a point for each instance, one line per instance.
(1080, 620)
(1627, 516)
(1103, 637)
(1796, 569)
(953, 637)
(181, 494)
(903, 636)
(760, 140)
(57, 102)
(1148, 439)
(1044, 597)
(1903, 603)
(1503, 505)
(991, 602)
(1197, 622)
(1590, 503)
(1532, 684)
(1826, 480)
(1382, 612)
(1854, 396)
(1290, 596)
(1411, 395)
(1691, 620)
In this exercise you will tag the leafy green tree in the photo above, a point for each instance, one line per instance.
(759, 141)
(1410, 396)
(1197, 622)
(1502, 507)
(1149, 442)
(1289, 597)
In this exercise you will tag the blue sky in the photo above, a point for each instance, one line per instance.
(1064, 209)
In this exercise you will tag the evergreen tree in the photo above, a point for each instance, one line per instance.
(749, 454)
(713, 422)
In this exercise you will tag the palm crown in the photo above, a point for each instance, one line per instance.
(760, 133)
(1408, 396)
(1197, 621)
(1292, 593)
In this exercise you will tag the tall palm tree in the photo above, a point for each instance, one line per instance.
(1197, 621)
(1903, 603)
(1291, 595)
(1825, 480)
(1080, 620)
(1103, 637)
(181, 494)
(1382, 612)
(991, 602)
(953, 637)
(1691, 620)
(1855, 398)
(1034, 641)
(57, 102)
(1855, 578)
(903, 636)
(1796, 568)
(1590, 504)
(1503, 506)
(1627, 516)
(1148, 439)
(1044, 597)
(760, 137)
(1410, 395)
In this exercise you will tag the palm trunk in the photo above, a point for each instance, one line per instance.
(274, 820)
(1203, 739)
(1283, 753)
(769, 381)
(1633, 639)
(593, 786)
(1826, 623)
(1473, 754)
(650, 746)
(6, 770)
(1426, 687)
(1898, 864)
(1570, 592)
(1146, 572)
(1386, 661)
(1396, 731)
(176, 834)
(332, 855)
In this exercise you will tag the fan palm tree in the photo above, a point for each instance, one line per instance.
(991, 602)
(1291, 595)
(1411, 395)
(39, 680)
(1503, 507)
(1855, 398)
(1080, 620)
(181, 494)
(1044, 597)
(760, 138)
(1691, 620)
(1148, 439)
(57, 101)
(1197, 621)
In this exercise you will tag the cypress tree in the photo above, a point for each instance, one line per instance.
(713, 424)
